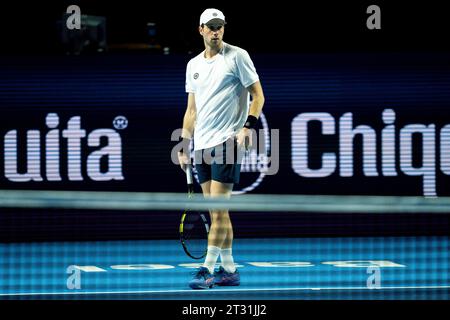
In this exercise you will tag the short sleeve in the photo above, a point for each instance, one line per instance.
(189, 84)
(245, 69)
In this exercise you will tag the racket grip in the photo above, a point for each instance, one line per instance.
(189, 175)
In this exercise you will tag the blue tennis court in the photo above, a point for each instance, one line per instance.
(279, 268)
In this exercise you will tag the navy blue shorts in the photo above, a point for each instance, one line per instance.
(221, 163)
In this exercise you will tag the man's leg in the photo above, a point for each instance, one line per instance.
(228, 242)
(220, 228)
(220, 223)
(222, 236)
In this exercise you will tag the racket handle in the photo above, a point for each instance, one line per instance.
(189, 180)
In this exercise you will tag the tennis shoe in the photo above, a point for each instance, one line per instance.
(224, 278)
(202, 279)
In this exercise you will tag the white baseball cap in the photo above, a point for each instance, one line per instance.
(212, 16)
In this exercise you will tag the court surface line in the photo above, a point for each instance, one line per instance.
(224, 290)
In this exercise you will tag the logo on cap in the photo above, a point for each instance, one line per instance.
(215, 14)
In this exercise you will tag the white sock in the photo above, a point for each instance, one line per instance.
(211, 258)
(227, 260)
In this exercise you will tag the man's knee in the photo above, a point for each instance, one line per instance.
(206, 188)
(220, 215)
(220, 189)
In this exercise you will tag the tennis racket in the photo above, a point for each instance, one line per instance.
(194, 226)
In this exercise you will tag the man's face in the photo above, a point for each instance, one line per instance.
(212, 33)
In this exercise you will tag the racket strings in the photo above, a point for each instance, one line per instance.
(195, 233)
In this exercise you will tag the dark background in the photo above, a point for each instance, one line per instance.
(277, 26)
(310, 57)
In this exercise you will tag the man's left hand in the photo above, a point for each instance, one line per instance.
(244, 138)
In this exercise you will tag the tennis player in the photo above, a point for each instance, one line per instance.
(219, 118)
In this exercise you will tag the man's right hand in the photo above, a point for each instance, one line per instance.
(184, 160)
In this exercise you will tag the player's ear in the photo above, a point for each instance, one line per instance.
(200, 30)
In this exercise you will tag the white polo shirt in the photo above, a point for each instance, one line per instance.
(221, 97)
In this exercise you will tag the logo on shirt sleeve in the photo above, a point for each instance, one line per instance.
(196, 76)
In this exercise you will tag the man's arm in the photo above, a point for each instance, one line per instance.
(189, 118)
(244, 136)
(188, 130)
(257, 94)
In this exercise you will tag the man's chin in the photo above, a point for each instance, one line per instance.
(215, 43)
